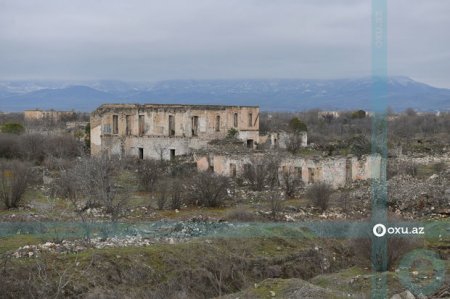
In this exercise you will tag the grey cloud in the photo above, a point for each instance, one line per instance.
(154, 40)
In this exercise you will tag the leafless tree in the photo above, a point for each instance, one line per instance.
(319, 194)
(15, 177)
(149, 172)
(162, 194)
(9, 146)
(63, 146)
(32, 147)
(291, 181)
(94, 182)
(262, 172)
(294, 142)
(275, 199)
(208, 189)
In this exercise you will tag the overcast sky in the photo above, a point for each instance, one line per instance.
(149, 40)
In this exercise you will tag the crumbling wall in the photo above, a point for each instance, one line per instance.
(338, 171)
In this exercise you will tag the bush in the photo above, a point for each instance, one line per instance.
(297, 126)
(232, 133)
(294, 143)
(9, 146)
(358, 114)
(320, 194)
(161, 197)
(94, 182)
(149, 172)
(12, 128)
(15, 177)
(241, 215)
(32, 147)
(63, 147)
(208, 189)
(275, 198)
(359, 145)
(291, 182)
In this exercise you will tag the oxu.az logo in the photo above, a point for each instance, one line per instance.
(380, 230)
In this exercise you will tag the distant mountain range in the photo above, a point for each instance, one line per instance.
(270, 94)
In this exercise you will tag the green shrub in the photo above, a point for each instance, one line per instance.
(12, 128)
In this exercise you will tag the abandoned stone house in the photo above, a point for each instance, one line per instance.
(50, 115)
(280, 139)
(336, 171)
(154, 131)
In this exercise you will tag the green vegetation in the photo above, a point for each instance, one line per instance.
(12, 128)
(297, 126)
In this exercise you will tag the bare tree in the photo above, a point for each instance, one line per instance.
(294, 142)
(15, 177)
(319, 194)
(149, 172)
(291, 181)
(32, 147)
(208, 189)
(94, 182)
(262, 172)
(275, 199)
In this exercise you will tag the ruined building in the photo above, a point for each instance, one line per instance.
(165, 131)
(49, 115)
(336, 171)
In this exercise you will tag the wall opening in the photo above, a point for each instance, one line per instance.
(250, 143)
(311, 178)
(141, 125)
(250, 120)
(195, 126)
(233, 170)
(348, 171)
(218, 123)
(235, 120)
(247, 168)
(128, 124)
(141, 153)
(298, 172)
(115, 124)
(172, 154)
(171, 125)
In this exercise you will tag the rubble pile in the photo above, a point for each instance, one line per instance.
(76, 246)
(429, 197)
(139, 235)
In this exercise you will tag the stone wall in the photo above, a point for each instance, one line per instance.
(338, 171)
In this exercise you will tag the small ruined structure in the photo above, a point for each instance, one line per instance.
(281, 139)
(328, 114)
(163, 131)
(51, 115)
(336, 171)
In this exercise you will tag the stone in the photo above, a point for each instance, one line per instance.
(404, 295)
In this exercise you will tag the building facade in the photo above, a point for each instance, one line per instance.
(160, 131)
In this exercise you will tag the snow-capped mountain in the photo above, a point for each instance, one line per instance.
(269, 94)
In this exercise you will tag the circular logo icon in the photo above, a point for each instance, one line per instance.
(417, 287)
(379, 230)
